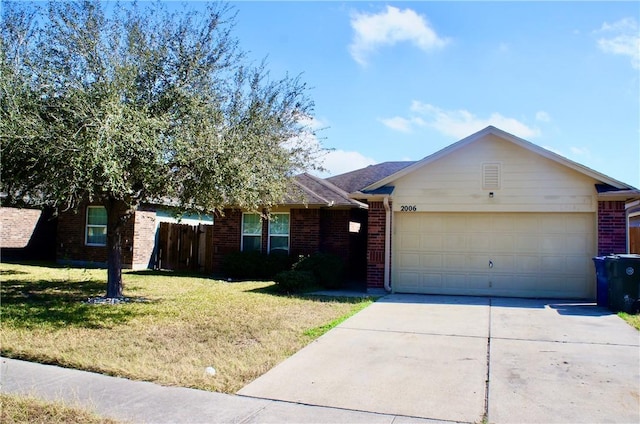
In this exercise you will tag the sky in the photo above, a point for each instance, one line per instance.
(394, 81)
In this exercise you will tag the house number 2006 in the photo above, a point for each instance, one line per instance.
(408, 208)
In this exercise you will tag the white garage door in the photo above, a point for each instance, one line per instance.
(501, 254)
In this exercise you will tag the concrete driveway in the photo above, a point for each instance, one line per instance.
(466, 359)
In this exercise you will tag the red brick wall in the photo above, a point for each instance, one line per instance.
(375, 245)
(17, 226)
(71, 246)
(304, 231)
(612, 237)
(226, 235)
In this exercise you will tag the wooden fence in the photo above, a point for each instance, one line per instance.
(185, 247)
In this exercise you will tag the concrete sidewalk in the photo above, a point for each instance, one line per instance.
(142, 402)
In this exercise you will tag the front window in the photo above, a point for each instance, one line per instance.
(251, 232)
(279, 232)
(96, 234)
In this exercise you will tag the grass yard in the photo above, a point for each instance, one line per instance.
(177, 327)
(633, 320)
(25, 409)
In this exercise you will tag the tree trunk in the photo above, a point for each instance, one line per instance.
(115, 220)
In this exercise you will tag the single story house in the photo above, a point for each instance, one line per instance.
(317, 217)
(491, 214)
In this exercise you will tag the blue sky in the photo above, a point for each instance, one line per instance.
(401, 80)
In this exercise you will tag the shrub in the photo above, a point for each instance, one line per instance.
(254, 265)
(328, 269)
(241, 265)
(294, 281)
(276, 262)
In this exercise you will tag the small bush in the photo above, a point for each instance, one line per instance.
(242, 265)
(294, 281)
(276, 262)
(328, 269)
(254, 265)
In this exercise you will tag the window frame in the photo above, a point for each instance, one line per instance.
(243, 234)
(288, 235)
(90, 225)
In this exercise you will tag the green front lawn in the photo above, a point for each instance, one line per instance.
(175, 327)
(633, 320)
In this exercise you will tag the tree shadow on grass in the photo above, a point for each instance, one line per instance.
(60, 304)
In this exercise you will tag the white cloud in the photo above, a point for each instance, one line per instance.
(577, 153)
(580, 151)
(543, 116)
(397, 123)
(388, 28)
(621, 38)
(340, 161)
(461, 123)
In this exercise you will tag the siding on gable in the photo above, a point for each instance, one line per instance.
(528, 183)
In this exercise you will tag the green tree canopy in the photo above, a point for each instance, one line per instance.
(122, 104)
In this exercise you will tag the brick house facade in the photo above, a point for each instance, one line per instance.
(318, 223)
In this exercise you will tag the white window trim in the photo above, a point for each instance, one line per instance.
(243, 234)
(288, 235)
(87, 226)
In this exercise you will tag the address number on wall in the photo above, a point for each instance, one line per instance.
(408, 208)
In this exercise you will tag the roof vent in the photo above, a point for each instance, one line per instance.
(490, 176)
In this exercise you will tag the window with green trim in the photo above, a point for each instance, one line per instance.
(96, 234)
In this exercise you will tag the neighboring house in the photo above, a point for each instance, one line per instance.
(492, 214)
(82, 235)
(27, 234)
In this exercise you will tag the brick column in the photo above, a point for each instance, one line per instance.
(226, 236)
(375, 245)
(612, 231)
(144, 239)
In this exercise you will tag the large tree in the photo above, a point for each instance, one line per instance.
(121, 104)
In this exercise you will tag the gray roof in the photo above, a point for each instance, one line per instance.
(311, 190)
(361, 178)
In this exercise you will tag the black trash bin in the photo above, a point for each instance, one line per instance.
(602, 283)
(623, 276)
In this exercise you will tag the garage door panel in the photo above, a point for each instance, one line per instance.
(502, 243)
(432, 243)
(504, 223)
(409, 260)
(432, 280)
(410, 242)
(553, 225)
(553, 244)
(525, 264)
(579, 243)
(455, 261)
(579, 224)
(431, 260)
(533, 254)
(410, 280)
(455, 243)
